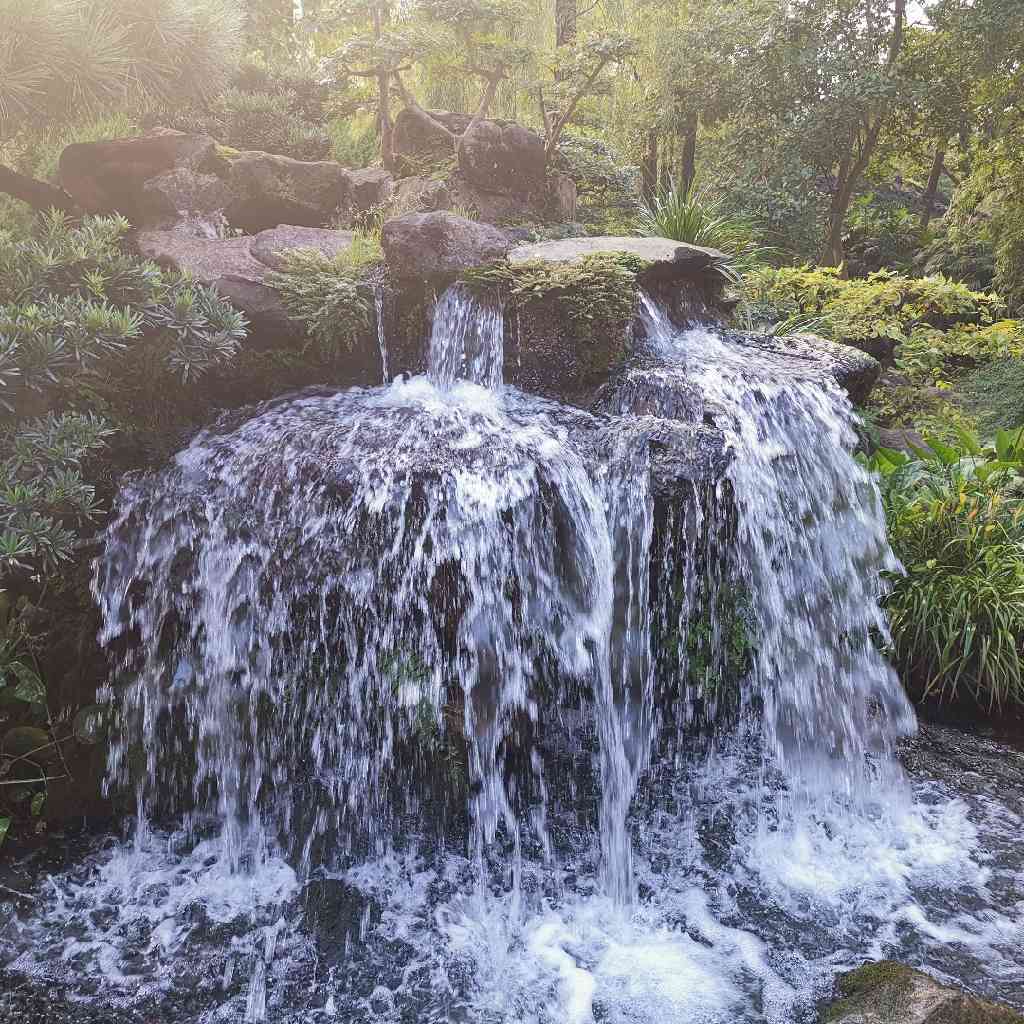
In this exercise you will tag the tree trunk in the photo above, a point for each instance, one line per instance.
(38, 194)
(384, 126)
(688, 161)
(933, 184)
(855, 161)
(649, 166)
(565, 22)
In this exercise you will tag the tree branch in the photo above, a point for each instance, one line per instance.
(40, 195)
(566, 115)
(419, 112)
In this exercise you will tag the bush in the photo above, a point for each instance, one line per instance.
(608, 189)
(91, 342)
(330, 297)
(887, 312)
(956, 522)
(881, 235)
(697, 216)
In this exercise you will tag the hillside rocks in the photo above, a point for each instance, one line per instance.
(111, 175)
(237, 268)
(892, 993)
(159, 180)
(439, 246)
(502, 157)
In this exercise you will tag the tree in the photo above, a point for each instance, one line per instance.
(66, 59)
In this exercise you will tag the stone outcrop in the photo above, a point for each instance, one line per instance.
(267, 190)
(111, 175)
(416, 137)
(237, 268)
(892, 993)
(664, 255)
(502, 157)
(438, 246)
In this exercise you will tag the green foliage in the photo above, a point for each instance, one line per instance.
(697, 216)
(608, 191)
(932, 321)
(330, 297)
(881, 235)
(956, 521)
(271, 121)
(994, 393)
(90, 339)
(598, 292)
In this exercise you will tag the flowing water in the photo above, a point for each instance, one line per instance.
(439, 701)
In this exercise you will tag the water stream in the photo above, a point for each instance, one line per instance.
(439, 701)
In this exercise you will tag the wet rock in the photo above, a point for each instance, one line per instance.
(892, 993)
(502, 157)
(439, 246)
(267, 190)
(855, 371)
(111, 175)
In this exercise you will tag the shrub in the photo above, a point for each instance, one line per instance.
(330, 297)
(696, 216)
(881, 235)
(994, 393)
(887, 310)
(91, 339)
(608, 189)
(956, 521)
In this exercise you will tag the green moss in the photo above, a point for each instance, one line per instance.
(884, 984)
(227, 152)
(594, 298)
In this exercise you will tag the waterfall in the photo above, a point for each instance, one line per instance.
(466, 340)
(382, 341)
(556, 710)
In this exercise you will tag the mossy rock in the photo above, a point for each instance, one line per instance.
(888, 992)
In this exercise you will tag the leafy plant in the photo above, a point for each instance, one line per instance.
(330, 297)
(956, 521)
(697, 216)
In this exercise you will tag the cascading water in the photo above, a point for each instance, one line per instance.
(414, 691)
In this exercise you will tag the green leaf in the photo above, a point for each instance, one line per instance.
(38, 803)
(5, 824)
(29, 688)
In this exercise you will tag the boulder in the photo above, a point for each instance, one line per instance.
(237, 268)
(364, 191)
(111, 175)
(185, 194)
(664, 255)
(267, 246)
(437, 247)
(416, 137)
(892, 993)
(502, 157)
(855, 371)
(267, 190)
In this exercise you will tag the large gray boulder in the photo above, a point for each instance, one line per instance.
(502, 157)
(439, 246)
(892, 993)
(267, 190)
(677, 257)
(416, 137)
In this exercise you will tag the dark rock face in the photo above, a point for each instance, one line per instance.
(268, 190)
(111, 175)
(364, 190)
(439, 246)
(415, 137)
(892, 993)
(502, 157)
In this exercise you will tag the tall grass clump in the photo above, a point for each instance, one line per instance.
(956, 522)
(697, 216)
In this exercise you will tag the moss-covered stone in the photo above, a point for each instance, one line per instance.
(888, 992)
